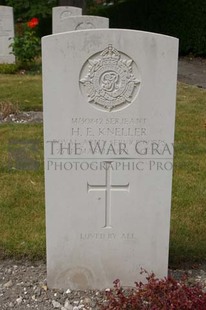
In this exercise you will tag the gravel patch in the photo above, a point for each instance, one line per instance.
(22, 118)
(23, 286)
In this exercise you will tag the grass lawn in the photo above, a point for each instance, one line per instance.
(22, 224)
(22, 90)
(188, 218)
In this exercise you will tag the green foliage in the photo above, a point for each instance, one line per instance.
(26, 9)
(8, 68)
(184, 19)
(26, 46)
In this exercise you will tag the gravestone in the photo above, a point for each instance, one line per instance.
(60, 14)
(109, 115)
(80, 23)
(6, 34)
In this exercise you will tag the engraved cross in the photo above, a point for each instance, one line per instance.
(108, 188)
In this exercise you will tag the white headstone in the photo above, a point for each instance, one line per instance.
(80, 23)
(6, 34)
(109, 114)
(60, 14)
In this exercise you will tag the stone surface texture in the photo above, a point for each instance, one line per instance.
(80, 22)
(6, 34)
(108, 204)
(60, 15)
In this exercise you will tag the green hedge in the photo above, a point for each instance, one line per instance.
(184, 19)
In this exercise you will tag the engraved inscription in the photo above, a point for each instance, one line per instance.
(65, 15)
(84, 25)
(108, 121)
(108, 188)
(107, 236)
(110, 80)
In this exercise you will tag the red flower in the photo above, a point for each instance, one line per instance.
(33, 22)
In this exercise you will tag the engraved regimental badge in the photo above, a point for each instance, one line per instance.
(110, 80)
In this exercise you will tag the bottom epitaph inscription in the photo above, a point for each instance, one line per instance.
(107, 236)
